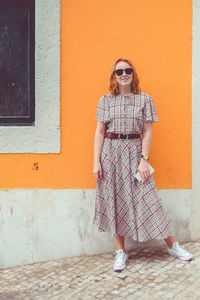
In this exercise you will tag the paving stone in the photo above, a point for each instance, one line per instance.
(150, 274)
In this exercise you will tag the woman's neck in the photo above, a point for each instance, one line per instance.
(125, 90)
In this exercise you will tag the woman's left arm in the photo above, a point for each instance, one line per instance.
(146, 144)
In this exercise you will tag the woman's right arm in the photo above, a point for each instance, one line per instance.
(98, 143)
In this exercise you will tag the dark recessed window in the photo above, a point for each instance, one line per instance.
(17, 62)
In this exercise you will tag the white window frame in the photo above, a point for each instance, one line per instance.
(44, 136)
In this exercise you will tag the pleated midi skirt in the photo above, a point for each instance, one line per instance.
(123, 205)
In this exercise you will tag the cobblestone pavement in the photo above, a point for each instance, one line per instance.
(150, 274)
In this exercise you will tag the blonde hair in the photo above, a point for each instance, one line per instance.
(113, 87)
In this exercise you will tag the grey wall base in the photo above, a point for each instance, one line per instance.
(39, 225)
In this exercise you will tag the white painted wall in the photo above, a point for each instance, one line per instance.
(195, 205)
(38, 225)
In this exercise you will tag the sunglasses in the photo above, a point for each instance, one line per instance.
(119, 72)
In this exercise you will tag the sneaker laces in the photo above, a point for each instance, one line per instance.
(176, 244)
(181, 249)
(119, 256)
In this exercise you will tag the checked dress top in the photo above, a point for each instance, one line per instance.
(123, 205)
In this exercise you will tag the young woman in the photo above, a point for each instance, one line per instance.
(124, 206)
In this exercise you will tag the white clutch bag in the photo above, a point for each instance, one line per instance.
(138, 176)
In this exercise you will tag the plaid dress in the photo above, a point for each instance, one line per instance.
(123, 205)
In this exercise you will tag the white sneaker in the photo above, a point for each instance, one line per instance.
(179, 251)
(120, 260)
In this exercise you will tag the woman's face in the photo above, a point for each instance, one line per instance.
(123, 79)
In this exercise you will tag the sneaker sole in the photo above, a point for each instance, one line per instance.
(122, 267)
(180, 257)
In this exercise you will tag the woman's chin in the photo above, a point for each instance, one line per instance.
(124, 83)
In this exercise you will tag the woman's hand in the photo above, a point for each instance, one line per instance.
(97, 170)
(144, 169)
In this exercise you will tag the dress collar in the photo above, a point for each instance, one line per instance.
(127, 95)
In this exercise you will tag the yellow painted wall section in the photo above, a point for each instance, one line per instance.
(157, 37)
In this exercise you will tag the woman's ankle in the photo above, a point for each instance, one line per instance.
(124, 250)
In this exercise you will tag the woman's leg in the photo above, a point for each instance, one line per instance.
(119, 241)
(170, 240)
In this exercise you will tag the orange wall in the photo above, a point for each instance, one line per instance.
(157, 36)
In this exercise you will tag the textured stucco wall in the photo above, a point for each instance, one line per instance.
(195, 204)
(39, 225)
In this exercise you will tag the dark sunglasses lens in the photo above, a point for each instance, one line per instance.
(119, 72)
(129, 71)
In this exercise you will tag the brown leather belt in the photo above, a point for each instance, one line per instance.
(112, 135)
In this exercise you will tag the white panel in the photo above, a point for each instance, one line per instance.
(195, 207)
(38, 225)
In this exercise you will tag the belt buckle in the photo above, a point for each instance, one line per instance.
(127, 136)
(118, 135)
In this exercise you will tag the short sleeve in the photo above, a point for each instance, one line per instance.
(150, 113)
(103, 111)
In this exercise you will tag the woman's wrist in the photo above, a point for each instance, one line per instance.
(145, 157)
(143, 160)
